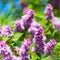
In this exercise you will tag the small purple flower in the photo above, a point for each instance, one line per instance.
(49, 12)
(34, 27)
(6, 30)
(19, 26)
(35, 24)
(49, 47)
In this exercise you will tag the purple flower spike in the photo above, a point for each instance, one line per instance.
(5, 51)
(25, 21)
(38, 41)
(27, 18)
(49, 6)
(24, 49)
(33, 28)
(49, 47)
(49, 12)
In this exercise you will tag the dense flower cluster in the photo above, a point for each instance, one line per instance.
(50, 15)
(25, 21)
(49, 47)
(49, 12)
(18, 26)
(5, 31)
(33, 27)
(36, 31)
(5, 51)
(39, 42)
(24, 49)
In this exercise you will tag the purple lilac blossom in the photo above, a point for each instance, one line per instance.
(24, 49)
(27, 18)
(49, 12)
(19, 26)
(5, 51)
(39, 42)
(56, 23)
(6, 30)
(49, 47)
(25, 21)
(34, 27)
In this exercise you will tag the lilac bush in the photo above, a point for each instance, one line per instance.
(33, 33)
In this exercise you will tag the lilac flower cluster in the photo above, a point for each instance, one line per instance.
(25, 21)
(50, 15)
(41, 46)
(49, 12)
(36, 31)
(5, 51)
(56, 23)
(33, 27)
(24, 49)
(18, 26)
(38, 38)
(5, 31)
(38, 41)
(49, 47)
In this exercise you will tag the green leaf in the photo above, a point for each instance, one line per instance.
(57, 36)
(4, 38)
(34, 56)
(47, 58)
(16, 36)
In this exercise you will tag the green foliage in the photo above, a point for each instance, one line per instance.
(17, 38)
